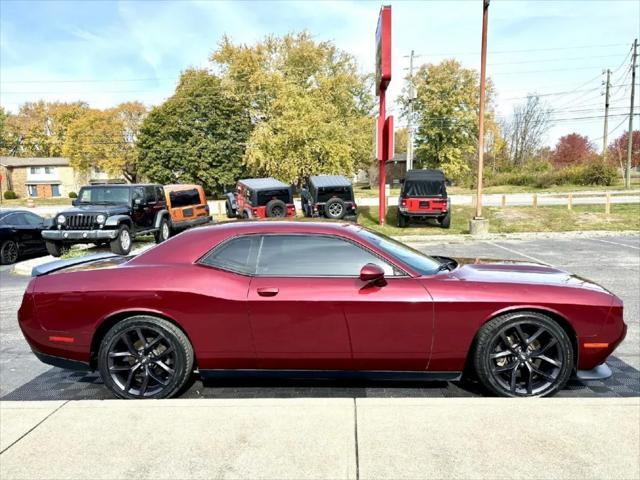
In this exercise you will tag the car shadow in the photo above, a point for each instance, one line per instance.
(58, 384)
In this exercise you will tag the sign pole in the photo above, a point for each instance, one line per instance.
(384, 128)
(382, 176)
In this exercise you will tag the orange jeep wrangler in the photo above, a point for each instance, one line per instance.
(187, 205)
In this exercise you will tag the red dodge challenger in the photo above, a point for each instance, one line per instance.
(322, 299)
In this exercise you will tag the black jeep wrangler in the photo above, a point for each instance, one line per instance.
(113, 214)
(329, 196)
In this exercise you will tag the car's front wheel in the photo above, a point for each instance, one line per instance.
(145, 357)
(121, 245)
(523, 354)
(55, 249)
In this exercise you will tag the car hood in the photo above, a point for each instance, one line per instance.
(96, 209)
(521, 273)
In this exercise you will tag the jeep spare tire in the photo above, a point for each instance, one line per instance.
(335, 208)
(276, 208)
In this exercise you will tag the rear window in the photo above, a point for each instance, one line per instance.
(265, 196)
(184, 198)
(344, 193)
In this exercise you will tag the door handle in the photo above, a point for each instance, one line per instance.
(267, 292)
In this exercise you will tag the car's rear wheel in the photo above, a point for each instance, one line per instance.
(9, 252)
(523, 354)
(122, 243)
(55, 249)
(145, 357)
(445, 221)
(164, 232)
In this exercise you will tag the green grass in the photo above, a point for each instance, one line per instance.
(517, 219)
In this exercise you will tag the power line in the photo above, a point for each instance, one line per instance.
(526, 50)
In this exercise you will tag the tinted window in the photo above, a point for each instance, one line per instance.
(159, 194)
(16, 219)
(314, 256)
(104, 195)
(138, 193)
(237, 255)
(32, 219)
(420, 262)
(265, 196)
(344, 193)
(184, 198)
(150, 194)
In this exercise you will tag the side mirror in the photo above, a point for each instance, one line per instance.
(137, 201)
(75, 202)
(372, 273)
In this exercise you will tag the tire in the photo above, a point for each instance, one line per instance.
(402, 220)
(335, 209)
(231, 213)
(145, 357)
(523, 354)
(9, 252)
(164, 232)
(445, 222)
(121, 245)
(276, 209)
(245, 215)
(55, 249)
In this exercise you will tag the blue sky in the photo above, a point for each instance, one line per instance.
(109, 52)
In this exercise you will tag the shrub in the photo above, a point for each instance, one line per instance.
(10, 195)
(73, 195)
(596, 173)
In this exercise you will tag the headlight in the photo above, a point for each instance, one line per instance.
(61, 219)
(100, 218)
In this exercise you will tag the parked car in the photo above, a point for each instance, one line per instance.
(329, 196)
(424, 195)
(111, 214)
(187, 205)
(323, 298)
(260, 198)
(20, 235)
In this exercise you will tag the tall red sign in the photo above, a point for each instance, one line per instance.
(385, 126)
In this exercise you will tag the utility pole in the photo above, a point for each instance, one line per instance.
(480, 225)
(634, 56)
(606, 116)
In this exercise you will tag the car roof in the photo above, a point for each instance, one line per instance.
(320, 181)
(417, 175)
(263, 183)
(122, 185)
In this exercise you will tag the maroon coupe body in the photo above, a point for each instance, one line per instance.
(267, 318)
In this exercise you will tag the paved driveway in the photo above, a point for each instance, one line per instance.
(613, 261)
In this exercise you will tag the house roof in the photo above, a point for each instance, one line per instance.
(34, 161)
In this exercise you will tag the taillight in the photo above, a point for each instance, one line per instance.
(403, 202)
(254, 211)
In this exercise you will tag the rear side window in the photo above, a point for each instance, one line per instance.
(159, 193)
(314, 256)
(237, 255)
(184, 198)
(150, 194)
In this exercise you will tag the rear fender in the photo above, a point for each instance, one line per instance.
(162, 214)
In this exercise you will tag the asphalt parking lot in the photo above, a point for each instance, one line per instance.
(613, 261)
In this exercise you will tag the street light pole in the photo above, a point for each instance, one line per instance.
(483, 73)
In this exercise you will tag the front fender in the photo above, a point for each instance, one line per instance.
(115, 220)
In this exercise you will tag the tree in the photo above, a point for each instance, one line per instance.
(198, 135)
(619, 147)
(400, 138)
(39, 128)
(310, 106)
(106, 139)
(572, 149)
(525, 131)
(446, 109)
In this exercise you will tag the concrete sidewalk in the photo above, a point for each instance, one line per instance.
(322, 438)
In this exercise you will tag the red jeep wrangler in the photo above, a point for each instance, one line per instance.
(424, 195)
(260, 198)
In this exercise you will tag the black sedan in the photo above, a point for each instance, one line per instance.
(20, 235)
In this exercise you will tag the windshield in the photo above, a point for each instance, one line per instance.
(419, 262)
(104, 195)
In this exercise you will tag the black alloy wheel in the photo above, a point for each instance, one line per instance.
(335, 208)
(145, 357)
(9, 252)
(523, 354)
(276, 208)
